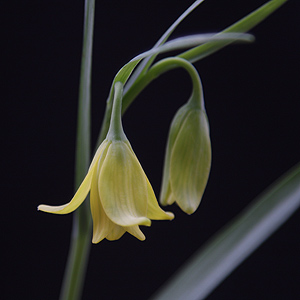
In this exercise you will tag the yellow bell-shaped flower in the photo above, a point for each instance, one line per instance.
(188, 155)
(121, 196)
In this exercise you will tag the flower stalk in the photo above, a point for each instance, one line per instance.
(156, 71)
(115, 131)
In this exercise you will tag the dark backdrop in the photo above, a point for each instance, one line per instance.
(252, 101)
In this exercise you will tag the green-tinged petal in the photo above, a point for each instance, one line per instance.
(169, 198)
(116, 232)
(78, 198)
(123, 187)
(166, 197)
(136, 232)
(190, 161)
(154, 211)
(102, 225)
(165, 193)
(166, 188)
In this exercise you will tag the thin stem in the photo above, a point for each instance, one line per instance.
(173, 62)
(139, 82)
(146, 63)
(81, 231)
(157, 70)
(115, 131)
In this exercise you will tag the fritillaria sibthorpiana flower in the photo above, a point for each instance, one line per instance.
(188, 155)
(121, 196)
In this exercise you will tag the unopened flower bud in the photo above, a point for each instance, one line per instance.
(188, 156)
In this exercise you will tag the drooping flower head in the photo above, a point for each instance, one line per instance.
(121, 196)
(188, 154)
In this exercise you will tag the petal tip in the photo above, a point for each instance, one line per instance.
(189, 209)
(95, 241)
(41, 207)
(145, 222)
(170, 215)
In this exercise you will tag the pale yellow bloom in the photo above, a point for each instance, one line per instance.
(121, 196)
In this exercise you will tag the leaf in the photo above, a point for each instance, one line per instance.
(242, 25)
(180, 43)
(176, 44)
(143, 67)
(236, 241)
(81, 231)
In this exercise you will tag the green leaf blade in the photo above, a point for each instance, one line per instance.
(81, 231)
(176, 44)
(243, 25)
(236, 241)
(143, 67)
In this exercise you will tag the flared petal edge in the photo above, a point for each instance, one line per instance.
(154, 211)
(82, 191)
(76, 201)
(136, 232)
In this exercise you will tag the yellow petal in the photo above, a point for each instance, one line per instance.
(154, 211)
(81, 193)
(116, 232)
(136, 232)
(102, 225)
(123, 187)
(78, 198)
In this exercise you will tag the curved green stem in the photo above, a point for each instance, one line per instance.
(139, 82)
(154, 72)
(158, 69)
(115, 131)
(81, 231)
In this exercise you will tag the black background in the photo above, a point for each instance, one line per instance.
(252, 101)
